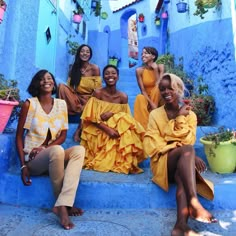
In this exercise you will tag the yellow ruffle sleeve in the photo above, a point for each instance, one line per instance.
(103, 153)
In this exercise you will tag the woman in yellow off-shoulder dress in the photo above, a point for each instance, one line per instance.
(111, 136)
(169, 141)
(84, 78)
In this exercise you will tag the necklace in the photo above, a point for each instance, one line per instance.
(83, 70)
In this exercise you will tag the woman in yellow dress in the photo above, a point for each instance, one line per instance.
(111, 136)
(169, 141)
(84, 78)
(147, 77)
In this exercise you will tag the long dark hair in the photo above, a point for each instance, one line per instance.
(75, 73)
(34, 86)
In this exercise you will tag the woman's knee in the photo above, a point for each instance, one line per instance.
(56, 152)
(78, 151)
(188, 151)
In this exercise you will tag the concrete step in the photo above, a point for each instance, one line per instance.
(18, 220)
(103, 190)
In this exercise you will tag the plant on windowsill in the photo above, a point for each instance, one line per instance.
(114, 60)
(141, 17)
(9, 102)
(220, 150)
(204, 5)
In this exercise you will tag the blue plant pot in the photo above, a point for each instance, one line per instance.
(181, 7)
(166, 1)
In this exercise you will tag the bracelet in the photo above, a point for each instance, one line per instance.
(22, 167)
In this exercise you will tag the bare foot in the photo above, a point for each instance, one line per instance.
(77, 135)
(183, 230)
(199, 213)
(74, 211)
(62, 213)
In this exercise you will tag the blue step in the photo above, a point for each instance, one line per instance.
(104, 190)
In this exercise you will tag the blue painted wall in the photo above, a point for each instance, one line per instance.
(207, 45)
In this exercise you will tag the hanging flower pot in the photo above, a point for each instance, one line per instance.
(77, 18)
(182, 7)
(164, 15)
(157, 21)
(3, 7)
(141, 17)
(104, 15)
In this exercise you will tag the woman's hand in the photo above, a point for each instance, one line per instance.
(200, 164)
(35, 151)
(25, 176)
(184, 110)
(151, 106)
(106, 116)
(112, 133)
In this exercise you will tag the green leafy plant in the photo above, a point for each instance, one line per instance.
(73, 45)
(98, 8)
(202, 6)
(2, 3)
(222, 135)
(168, 60)
(8, 89)
(10, 92)
(202, 103)
(79, 10)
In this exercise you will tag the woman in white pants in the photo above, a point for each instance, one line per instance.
(41, 130)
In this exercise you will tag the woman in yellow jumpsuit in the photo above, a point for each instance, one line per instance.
(169, 141)
(147, 77)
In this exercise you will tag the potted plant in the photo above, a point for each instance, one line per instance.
(114, 60)
(203, 5)
(3, 7)
(141, 17)
(9, 98)
(220, 150)
(157, 21)
(78, 14)
(178, 69)
(202, 103)
(73, 45)
(98, 8)
(182, 6)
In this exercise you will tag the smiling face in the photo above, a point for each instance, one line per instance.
(147, 56)
(168, 94)
(110, 76)
(85, 53)
(46, 83)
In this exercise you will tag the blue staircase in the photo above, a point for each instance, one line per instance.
(106, 190)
